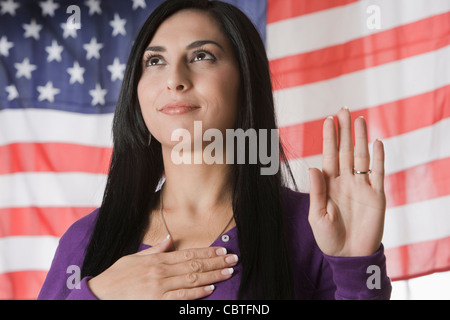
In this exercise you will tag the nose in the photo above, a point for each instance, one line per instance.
(172, 87)
(178, 79)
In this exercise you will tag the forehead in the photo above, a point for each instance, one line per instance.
(187, 26)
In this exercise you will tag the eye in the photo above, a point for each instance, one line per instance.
(203, 55)
(153, 60)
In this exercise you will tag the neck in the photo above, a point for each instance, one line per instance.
(196, 204)
(196, 189)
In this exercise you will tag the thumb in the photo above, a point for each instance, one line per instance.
(163, 246)
(317, 194)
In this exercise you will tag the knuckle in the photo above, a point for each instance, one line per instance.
(195, 266)
(152, 260)
(188, 255)
(182, 294)
(218, 276)
(211, 253)
(362, 154)
(191, 278)
(157, 270)
(157, 285)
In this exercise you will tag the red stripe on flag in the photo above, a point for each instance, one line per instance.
(53, 157)
(418, 259)
(33, 221)
(285, 9)
(391, 45)
(384, 121)
(403, 188)
(23, 285)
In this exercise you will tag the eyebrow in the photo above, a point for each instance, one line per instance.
(191, 46)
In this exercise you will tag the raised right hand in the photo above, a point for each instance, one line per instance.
(155, 274)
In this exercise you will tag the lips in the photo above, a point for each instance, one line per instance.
(178, 108)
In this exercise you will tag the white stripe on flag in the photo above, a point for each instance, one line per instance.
(366, 88)
(26, 253)
(40, 125)
(422, 146)
(46, 189)
(417, 222)
(344, 23)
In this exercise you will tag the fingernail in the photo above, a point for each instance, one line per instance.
(345, 108)
(209, 288)
(232, 259)
(227, 271)
(221, 251)
(330, 117)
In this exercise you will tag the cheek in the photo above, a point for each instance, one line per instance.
(146, 96)
(142, 98)
(150, 95)
(222, 93)
(229, 88)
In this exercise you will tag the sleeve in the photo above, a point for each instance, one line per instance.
(360, 278)
(63, 281)
(323, 277)
(83, 292)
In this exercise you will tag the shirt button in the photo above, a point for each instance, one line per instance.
(225, 238)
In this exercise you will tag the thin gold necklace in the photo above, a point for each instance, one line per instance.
(167, 229)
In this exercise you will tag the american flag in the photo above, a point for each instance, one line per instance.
(61, 67)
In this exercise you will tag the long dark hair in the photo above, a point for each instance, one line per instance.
(136, 167)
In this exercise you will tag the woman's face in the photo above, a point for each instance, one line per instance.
(189, 74)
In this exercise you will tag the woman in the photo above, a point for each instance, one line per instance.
(220, 230)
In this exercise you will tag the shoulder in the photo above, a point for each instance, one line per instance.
(80, 231)
(73, 243)
(69, 256)
(296, 210)
(295, 200)
(306, 257)
(296, 205)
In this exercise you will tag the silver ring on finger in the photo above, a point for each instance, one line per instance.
(361, 172)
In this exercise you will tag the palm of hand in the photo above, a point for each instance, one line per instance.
(346, 209)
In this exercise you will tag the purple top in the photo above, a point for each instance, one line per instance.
(316, 275)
